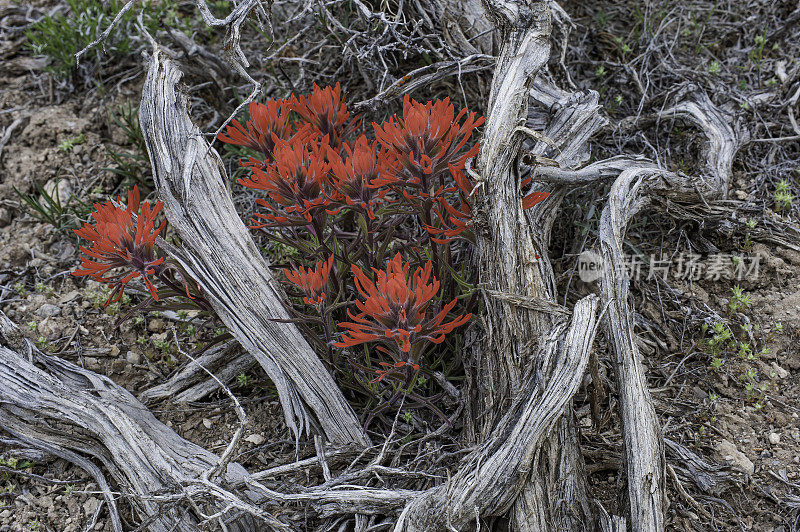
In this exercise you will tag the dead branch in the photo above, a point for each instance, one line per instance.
(74, 413)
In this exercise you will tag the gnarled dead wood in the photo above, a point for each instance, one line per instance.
(644, 445)
(222, 257)
(76, 414)
(192, 383)
(490, 479)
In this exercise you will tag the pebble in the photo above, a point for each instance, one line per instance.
(133, 357)
(781, 372)
(207, 423)
(90, 506)
(48, 310)
(69, 297)
(155, 325)
(5, 217)
(774, 438)
(255, 439)
(736, 457)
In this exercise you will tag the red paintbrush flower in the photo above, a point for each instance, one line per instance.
(295, 180)
(394, 311)
(119, 242)
(265, 121)
(454, 220)
(353, 177)
(313, 283)
(428, 141)
(326, 111)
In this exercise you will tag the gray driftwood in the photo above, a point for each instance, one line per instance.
(85, 418)
(191, 383)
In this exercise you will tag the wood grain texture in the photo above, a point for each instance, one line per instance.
(637, 184)
(490, 479)
(82, 416)
(222, 257)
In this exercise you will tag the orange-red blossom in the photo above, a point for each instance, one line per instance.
(395, 311)
(120, 242)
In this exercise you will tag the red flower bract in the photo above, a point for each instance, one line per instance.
(395, 310)
(119, 242)
(265, 121)
(353, 177)
(295, 180)
(325, 110)
(313, 283)
(427, 141)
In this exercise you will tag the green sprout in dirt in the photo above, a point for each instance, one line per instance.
(68, 144)
(783, 198)
(715, 346)
(41, 342)
(714, 68)
(600, 72)
(20, 289)
(32, 325)
(163, 345)
(757, 53)
(45, 289)
(53, 210)
(739, 300)
(243, 379)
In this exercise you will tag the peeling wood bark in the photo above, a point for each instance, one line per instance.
(490, 479)
(644, 445)
(74, 413)
(222, 257)
(632, 191)
(513, 259)
(192, 383)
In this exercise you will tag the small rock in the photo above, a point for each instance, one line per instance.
(114, 351)
(779, 371)
(736, 457)
(155, 325)
(69, 297)
(774, 438)
(5, 217)
(255, 439)
(61, 187)
(48, 310)
(207, 423)
(133, 357)
(90, 506)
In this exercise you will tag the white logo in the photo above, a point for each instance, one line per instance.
(590, 266)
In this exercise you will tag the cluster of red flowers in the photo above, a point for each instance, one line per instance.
(352, 208)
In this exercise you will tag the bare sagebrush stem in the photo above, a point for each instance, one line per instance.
(491, 478)
(222, 257)
(81, 416)
(638, 182)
